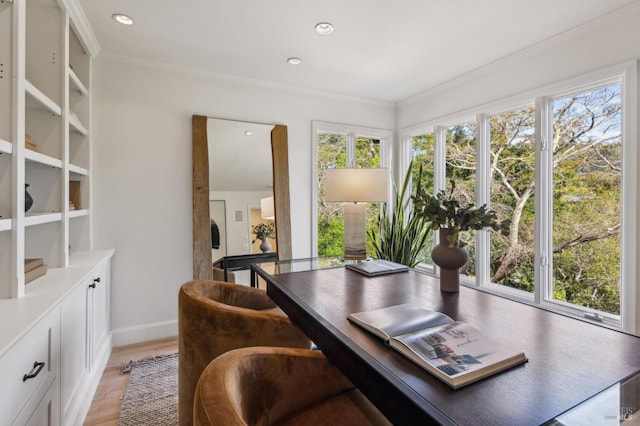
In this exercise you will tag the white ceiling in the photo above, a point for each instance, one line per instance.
(380, 49)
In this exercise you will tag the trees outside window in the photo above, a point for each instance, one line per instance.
(512, 196)
(339, 146)
(460, 166)
(587, 170)
(422, 151)
(556, 171)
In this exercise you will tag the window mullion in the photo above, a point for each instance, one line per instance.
(483, 149)
(543, 267)
(629, 272)
(439, 166)
(351, 149)
(439, 159)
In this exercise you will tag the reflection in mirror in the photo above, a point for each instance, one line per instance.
(240, 174)
(236, 167)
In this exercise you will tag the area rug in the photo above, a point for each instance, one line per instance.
(152, 392)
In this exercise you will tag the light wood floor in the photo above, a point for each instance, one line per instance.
(105, 407)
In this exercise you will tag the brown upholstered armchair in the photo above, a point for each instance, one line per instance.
(215, 317)
(264, 386)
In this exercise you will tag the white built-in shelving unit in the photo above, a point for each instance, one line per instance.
(60, 320)
(46, 50)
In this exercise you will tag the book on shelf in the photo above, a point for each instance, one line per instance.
(377, 267)
(36, 269)
(31, 264)
(453, 351)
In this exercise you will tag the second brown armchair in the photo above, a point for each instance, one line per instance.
(215, 317)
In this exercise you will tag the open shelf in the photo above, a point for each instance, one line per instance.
(77, 170)
(36, 157)
(40, 218)
(78, 213)
(6, 147)
(38, 100)
(77, 83)
(76, 125)
(5, 225)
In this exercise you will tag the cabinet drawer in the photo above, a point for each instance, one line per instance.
(35, 354)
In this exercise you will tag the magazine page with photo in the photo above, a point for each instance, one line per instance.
(455, 352)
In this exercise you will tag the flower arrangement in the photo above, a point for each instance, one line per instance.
(444, 211)
(264, 230)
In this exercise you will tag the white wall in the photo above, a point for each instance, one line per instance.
(605, 43)
(142, 174)
(609, 41)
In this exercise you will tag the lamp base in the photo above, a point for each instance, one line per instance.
(355, 223)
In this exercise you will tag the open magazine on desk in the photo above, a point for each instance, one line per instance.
(453, 351)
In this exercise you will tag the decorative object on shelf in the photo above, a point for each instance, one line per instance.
(74, 194)
(355, 187)
(401, 234)
(29, 143)
(444, 211)
(264, 231)
(28, 200)
(34, 268)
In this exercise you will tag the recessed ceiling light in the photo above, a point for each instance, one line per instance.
(324, 28)
(248, 133)
(123, 19)
(294, 61)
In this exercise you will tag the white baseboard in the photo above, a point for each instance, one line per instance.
(143, 333)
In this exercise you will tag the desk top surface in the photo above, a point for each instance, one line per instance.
(569, 360)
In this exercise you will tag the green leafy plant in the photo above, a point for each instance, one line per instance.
(263, 230)
(401, 234)
(444, 211)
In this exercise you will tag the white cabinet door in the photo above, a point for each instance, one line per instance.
(74, 355)
(28, 368)
(47, 412)
(99, 312)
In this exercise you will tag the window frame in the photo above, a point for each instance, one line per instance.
(352, 133)
(626, 75)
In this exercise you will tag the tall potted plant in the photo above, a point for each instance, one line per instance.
(448, 215)
(401, 234)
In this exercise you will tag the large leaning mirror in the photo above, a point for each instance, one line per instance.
(237, 168)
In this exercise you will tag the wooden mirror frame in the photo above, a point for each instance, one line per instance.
(202, 261)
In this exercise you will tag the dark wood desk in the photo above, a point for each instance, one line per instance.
(569, 360)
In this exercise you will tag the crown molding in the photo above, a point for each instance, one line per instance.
(81, 25)
(198, 72)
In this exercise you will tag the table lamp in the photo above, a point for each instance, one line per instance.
(356, 186)
(266, 208)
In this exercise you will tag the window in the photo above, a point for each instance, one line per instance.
(460, 167)
(338, 146)
(555, 167)
(422, 152)
(512, 196)
(586, 159)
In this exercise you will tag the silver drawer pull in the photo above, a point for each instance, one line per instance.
(37, 368)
